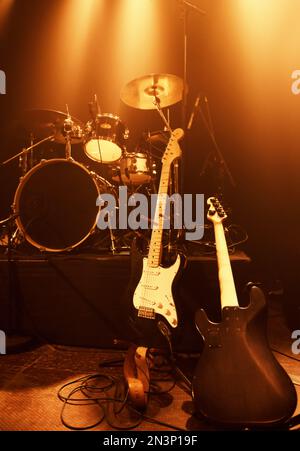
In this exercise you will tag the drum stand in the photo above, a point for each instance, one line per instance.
(25, 152)
(68, 130)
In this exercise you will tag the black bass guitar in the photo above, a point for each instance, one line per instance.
(238, 381)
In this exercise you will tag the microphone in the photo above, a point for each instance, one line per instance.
(97, 104)
(194, 111)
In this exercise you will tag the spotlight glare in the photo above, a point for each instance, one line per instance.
(138, 37)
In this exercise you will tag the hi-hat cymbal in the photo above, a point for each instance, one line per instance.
(142, 92)
(43, 123)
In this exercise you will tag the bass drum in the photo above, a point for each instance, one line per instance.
(56, 205)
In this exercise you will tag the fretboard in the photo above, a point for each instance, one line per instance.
(156, 247)
(227, 286)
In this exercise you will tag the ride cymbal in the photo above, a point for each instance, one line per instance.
(143, 92)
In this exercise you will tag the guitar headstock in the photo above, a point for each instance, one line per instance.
(216, 212)
(173, 150)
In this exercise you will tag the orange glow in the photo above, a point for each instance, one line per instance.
(263, 30)
(5, 8)
(72, 30)
(259, 24)
(138, 37)
(65, 43)
(266, 39)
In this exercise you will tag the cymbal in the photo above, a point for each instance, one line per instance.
(43, 123)
(142, 92)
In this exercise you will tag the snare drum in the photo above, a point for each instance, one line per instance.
(134, 169)
(105, 138)
(56, 205)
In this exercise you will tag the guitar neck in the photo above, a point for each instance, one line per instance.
(156, 245)
(226, 280)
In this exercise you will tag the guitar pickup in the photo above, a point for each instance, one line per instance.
(150, 287)
(145, 312)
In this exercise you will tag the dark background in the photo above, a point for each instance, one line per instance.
(241, 54)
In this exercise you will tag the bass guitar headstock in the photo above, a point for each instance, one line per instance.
(216, 212)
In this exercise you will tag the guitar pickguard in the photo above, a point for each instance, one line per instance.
(153, 294)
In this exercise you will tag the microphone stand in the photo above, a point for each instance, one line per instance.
(219, 160)
(68, 129)
(187, 7)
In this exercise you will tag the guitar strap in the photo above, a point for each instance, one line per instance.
(137, 376)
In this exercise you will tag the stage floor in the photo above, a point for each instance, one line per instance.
(30, 381)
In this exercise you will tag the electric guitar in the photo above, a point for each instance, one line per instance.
(153, 293)
(237, 380)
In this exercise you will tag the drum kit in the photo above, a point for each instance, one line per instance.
(54, 206)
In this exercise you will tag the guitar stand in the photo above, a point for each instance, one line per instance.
(137, 376)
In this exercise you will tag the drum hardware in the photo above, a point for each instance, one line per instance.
(68, 128)
(49, 192)
(24, 152)
(42, 123)
(26, 160)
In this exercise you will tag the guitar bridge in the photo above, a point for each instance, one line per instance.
(146, 312)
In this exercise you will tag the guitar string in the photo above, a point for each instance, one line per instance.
(149, 279)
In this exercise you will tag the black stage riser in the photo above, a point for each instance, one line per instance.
(79, 300)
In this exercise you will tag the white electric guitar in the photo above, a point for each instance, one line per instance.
(153, 294)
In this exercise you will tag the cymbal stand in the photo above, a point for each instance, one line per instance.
(68, 129)
(25, 151)
(110, 188)
(156, 103)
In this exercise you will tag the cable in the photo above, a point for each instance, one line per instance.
(100, 395)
